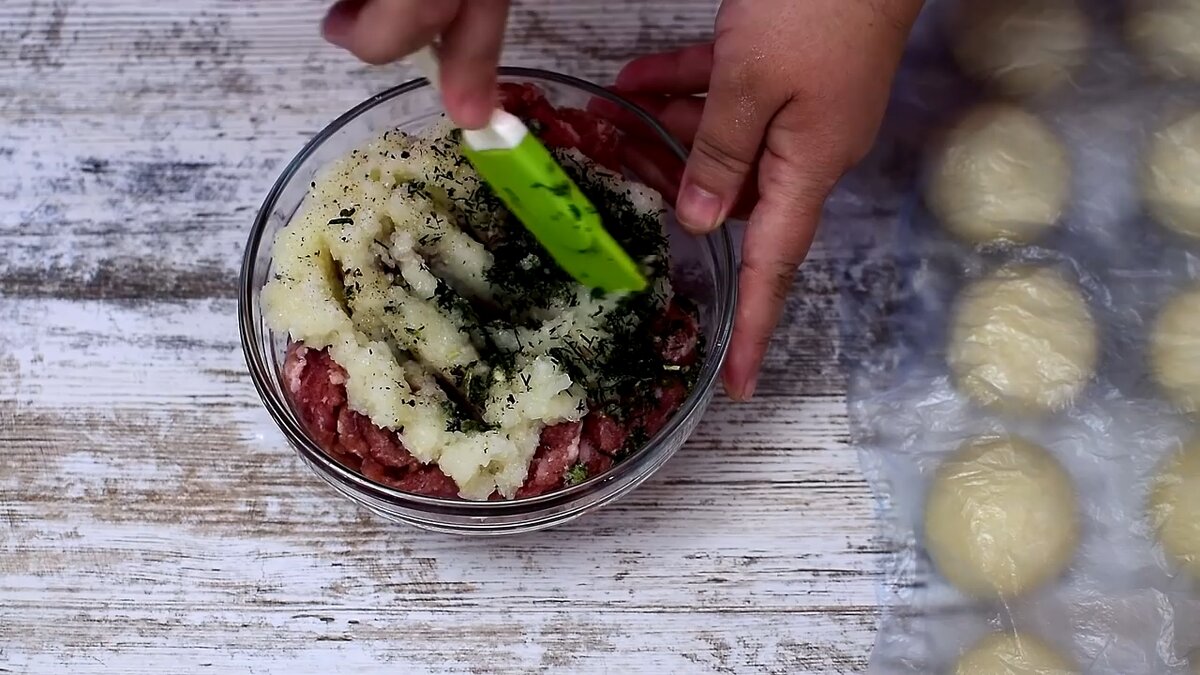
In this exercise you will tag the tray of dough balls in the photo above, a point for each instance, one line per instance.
(1025, 349)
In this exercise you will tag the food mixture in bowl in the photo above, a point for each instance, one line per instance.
(436, 347)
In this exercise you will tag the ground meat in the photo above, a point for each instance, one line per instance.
(565, 127)
(429, 481)
(669, 396)
(602, 438)
(595, 461)
(360, 437)
(598, 138)
(604, 433)
(557, 452)
(595, 442)
(318, 388)
(526, 100)
(677, 335)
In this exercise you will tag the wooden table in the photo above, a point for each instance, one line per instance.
(153, 520)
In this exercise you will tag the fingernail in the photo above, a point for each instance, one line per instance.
(698, 209)
(740, 394)
(340, 19)
(750, 388)
(470, 110)
(736, 391)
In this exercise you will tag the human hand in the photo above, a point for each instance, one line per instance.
(795, 95)
(469, 35)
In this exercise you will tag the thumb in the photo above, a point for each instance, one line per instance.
(736, 114)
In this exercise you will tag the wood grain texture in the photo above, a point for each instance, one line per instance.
(152, 519)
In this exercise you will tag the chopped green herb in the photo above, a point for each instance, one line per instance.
(576, 475)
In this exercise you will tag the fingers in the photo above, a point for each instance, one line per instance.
(724, 129)
(340, 20)
(780, 232)
(684, 71)
(381, 31)
(655, 165)
(469, 54)
(642, 149)
(679, 115)
(739, 106)
(471, 33)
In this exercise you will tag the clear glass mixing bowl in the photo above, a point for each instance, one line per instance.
(703, 269)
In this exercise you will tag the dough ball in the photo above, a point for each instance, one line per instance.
(1020, 47)
(1175, 508)
(1022, 340)
(1175, 350)
(1001, 518)
(1171, 175)
(1164, 33)
(1001, 174)
(1005, 654)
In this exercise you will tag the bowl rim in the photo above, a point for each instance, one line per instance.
(720, 246)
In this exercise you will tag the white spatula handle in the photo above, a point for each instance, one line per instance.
(503, 132)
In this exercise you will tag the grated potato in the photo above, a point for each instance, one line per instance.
(386, 264)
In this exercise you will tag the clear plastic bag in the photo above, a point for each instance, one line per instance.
(1121, 605)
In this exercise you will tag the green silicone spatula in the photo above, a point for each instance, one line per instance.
(525, 176)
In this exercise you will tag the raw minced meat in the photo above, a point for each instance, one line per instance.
(437, 349)
(317, 386)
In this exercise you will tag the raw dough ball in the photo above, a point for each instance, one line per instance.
(1001, 517)
(1002, 174)
(1175, 508)
(1171, 175)
(1164, 33)
(1022, 339)
(1005, 654)
(1021, 47)
(1175, 350)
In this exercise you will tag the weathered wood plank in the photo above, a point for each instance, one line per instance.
(382, 639)
(173, 487)
(151, 516)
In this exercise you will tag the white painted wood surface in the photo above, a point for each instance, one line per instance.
(153, 520)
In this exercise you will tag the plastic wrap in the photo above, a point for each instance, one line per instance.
(1076, 381)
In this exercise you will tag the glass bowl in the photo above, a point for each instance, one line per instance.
(702, 269)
